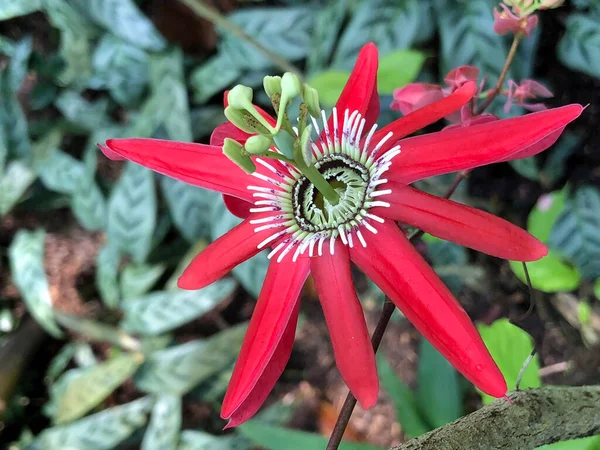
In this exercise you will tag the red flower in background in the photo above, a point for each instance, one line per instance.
(373, 170)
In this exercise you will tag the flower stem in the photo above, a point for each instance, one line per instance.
(384, 320)
(350, 402)
(509, 59)
(213, 15)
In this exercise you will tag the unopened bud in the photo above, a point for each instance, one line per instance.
(240, 97)
(258, 144)
(291, 86)
(272, 85)
(310, 96)
(234, 151)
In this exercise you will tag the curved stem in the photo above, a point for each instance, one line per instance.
(509, 59)
(214, 16)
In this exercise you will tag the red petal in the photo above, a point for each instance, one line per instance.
(425, 116)
(273, 311)
(536, 148)
(197, 164)
(109, 153)
(238, 207)
(395, 266)
(360, 92)
(477, 145)
(227, 130)
(271, 374)
(222, 255)
(346, 322)
(460, 223)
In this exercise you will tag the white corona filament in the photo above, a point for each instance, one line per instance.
(293, 223)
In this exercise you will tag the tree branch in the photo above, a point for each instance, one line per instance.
(537, 417)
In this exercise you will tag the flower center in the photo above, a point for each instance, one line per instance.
(313, 213)
(302, 218)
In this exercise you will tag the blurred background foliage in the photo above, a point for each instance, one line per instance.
(98, 347)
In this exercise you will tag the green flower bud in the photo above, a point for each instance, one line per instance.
(310, 96)
(234, 151)
(240, 97)
(291, 87)
(272, 85)
(258, 144)
(305, 145)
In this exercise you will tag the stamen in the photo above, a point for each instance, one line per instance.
(361, 238)
(270, 239)
(375, 218)
(298, 224)
(269, 226)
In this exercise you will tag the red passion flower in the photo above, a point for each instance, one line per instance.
(371, 171)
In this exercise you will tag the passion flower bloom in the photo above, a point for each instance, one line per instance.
(371, 171)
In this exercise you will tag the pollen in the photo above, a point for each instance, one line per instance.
(302, 221)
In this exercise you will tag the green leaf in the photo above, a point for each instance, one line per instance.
(575, 233)
(107, 272)
(121, 68)
(556, 164)
(164, 426)
(93, 385)
(179, 369)
(26, 255)
(510, 347)
(403, 398)
(163, 311)
(579, 48)
(527, 168)
(198, 440)
(190, 207)
(275, 438)
(60, 362)
(88, 203)
(212, 77)
(205, 120)
(12, 120)
(329, 84)
(390, 24)
(597, 288)
(168, 83)
(328, 24)
(15, 8)
(439, 394)
(75, 47)
(445, 254)
(549, 274)
(101, 431)
(399, 68)
(19, 63)
(468, 37)
(87, 115)
(123, 19)
(285, 31)
(15, 180)
(137, 279)
(544, 214)
(60, 172)
(250, 273)
(132, 212)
